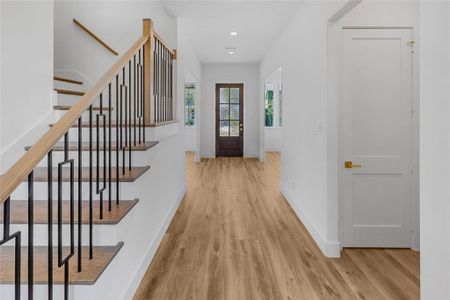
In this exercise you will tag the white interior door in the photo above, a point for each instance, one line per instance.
(377, 136)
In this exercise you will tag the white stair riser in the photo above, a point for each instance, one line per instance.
(103, 235)
(73, 134)
(40, 191)
(138, 158)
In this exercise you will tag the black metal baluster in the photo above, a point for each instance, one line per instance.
(91, 190)
(135, 99)
(17, 244)
(65, 261)
(138, 83)
(171, 88)
(18, 253)
(80, 192)
(156, 78)
(6, 218)
(30, 236)
(129, 116)
(101, 127)
(121, 120)
(142, 93)
(50, 223)
(117, 138)
(109, 148)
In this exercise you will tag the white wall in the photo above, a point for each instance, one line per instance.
(247, 74)
(435, 150)
(118, 23)
(189, 70)
(301, 51)
(27, 72)
(272, 138)
(310, 143)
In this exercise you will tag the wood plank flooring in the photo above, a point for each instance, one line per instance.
(235, 237)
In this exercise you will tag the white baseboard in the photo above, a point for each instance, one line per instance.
(269, 149)
(328, 249)
(150, 253)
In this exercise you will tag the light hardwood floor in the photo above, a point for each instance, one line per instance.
(235, 237)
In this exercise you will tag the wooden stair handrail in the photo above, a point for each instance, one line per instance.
(26, 164)
(95, 37)
(172, 51)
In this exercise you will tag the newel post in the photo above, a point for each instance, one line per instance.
(149, 107)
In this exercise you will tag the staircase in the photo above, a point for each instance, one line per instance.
(68, 199)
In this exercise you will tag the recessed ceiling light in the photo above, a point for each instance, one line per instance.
(233, 33)
(231, 50)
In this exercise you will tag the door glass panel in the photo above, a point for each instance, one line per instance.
(224, 95)
(224, 128)
(224, 111)
(234, 128)
(234, 111)
(234, 95)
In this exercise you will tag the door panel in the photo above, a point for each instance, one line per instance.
(229, 119)
(377, 103)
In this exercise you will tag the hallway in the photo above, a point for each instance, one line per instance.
(235, 237)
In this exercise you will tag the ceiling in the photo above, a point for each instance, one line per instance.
(208, 24)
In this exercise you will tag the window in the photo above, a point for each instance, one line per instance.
(269, 105)
(280, 106)
(189, 104)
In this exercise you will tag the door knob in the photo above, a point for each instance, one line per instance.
(349, 165)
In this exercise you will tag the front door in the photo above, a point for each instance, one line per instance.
(377, 143)
(229, 119)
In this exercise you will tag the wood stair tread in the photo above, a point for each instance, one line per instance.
(69, 92)
(92, 269)
(67, 107)
(68, 80)
(73, 146)
(19, 211)
(40, 174)
(114, 124)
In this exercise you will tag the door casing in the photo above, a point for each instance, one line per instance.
(217, 117)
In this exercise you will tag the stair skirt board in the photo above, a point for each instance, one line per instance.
(73, 146)
(19, 211)
(40, 174)
(92, 269)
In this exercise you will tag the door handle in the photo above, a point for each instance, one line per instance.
(349, 165)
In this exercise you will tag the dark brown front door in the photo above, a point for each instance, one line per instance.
(229, 119)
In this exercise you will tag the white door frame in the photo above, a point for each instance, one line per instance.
(415, 135)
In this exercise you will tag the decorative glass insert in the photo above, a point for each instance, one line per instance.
(224, 128)
(234, 111)
(224, 111)
(234, 95)
(234, 128)
(224, 95)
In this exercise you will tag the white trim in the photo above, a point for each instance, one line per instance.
(133, 284)
(329, 249)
